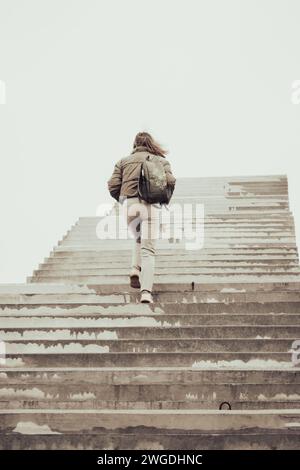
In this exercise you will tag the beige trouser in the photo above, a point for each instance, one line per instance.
(142, 220)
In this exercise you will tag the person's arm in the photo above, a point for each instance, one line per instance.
(115, 182)
(170, 177)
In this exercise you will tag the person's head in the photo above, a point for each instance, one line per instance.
(146, 140)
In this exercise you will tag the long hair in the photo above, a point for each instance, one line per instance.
(146, 140)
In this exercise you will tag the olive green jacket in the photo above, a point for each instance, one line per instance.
(124, 180)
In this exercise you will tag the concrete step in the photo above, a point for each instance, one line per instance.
(175, 251)
(178, 250)
(177, 226)
(163, 277)
(174, 221)
(80, 357)
(21, 332)
(230, 205)
(221, 217)
(126, 264)
(76, 318)
(210, 221)
(245, 309)
(226, 217)
(174, 247)
(170, 261)
(93, 237)
(276, 193)
(178, 240)
(178, 205)
(161, 297)
(182, 227)
(227, 220)
(141, 396)
(44, 439)
(77, 404)
(208, 242)
(105, 344)
(97, 268)
(181, 240)
(150, 375)
(182, 421)
(244, 206)
(177, 222)
(160, 271)
(232, 202)
(283, 285)
(171, 279)
(62, 263)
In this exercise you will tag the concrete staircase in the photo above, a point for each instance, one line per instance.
(87, 366)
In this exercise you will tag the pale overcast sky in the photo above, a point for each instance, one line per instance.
(211, 79)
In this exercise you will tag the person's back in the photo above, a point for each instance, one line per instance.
(125, 178)
(142, 217)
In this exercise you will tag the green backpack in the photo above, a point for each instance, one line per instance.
(153, 185)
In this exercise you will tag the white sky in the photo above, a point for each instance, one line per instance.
(211, 79)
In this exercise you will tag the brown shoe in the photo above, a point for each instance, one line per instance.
(135, 278)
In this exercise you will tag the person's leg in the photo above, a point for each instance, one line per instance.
(149, 233)
(134, 225)
(136, 250)
(136, 262)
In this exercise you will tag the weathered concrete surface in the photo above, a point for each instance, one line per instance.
(87, 366)
(151, 429)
